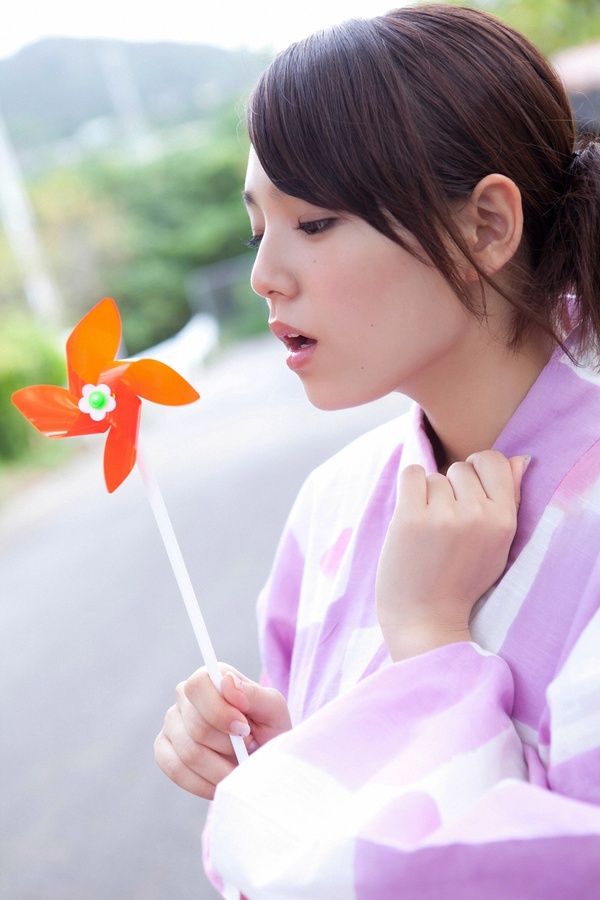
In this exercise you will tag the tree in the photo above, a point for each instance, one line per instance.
(136, 231)
(551, 24)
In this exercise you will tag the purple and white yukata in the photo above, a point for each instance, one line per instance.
(471, 771)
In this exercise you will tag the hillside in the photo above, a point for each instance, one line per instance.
(50, 89)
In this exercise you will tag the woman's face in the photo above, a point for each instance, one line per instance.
(360, 316)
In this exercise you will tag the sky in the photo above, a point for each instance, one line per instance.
(227, 23)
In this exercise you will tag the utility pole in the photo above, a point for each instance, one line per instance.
(19, 224)
(126, 101)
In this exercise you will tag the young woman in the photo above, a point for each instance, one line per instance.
(426, 222)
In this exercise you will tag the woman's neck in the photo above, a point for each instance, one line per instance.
(467, 411)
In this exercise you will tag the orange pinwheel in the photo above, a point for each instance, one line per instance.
(104, 393)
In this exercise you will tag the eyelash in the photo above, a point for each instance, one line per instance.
(323, 225)
(319, 226)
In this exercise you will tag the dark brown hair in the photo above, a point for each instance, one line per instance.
(396, 118)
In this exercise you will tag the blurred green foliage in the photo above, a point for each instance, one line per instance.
(176, 214)
(552, 25)
(28, 355)
(135, 230)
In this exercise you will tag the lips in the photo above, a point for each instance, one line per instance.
(300, 346)
(295, 342)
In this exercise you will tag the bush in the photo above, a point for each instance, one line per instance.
(178, 213)
(138, 231)
(27, 356)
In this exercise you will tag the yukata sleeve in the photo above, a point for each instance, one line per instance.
(416, 784)
(277, 611)
(277, 607)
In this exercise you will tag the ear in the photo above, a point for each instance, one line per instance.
(492, 223)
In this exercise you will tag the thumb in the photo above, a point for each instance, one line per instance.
(264, 707)
(518, 467)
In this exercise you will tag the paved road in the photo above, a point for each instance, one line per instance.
(94, 636)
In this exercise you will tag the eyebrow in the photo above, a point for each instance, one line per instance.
(274, 192)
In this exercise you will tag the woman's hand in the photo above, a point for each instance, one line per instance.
(194, 748)
(447, 543)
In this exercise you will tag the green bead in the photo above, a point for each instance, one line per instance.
(97, 399)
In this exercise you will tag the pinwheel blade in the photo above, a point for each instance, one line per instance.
(53, 410)
(121, 442)
(93, 344)
(158, 382)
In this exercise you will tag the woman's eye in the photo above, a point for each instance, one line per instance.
(315, 227)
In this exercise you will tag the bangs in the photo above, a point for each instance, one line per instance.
(315, 132)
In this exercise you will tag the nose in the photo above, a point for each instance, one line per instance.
(272, 274)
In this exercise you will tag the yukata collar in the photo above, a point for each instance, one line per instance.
(556, 423)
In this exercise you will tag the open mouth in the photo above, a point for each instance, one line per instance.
(295, 342)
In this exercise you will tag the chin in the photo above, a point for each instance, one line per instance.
(330, 400)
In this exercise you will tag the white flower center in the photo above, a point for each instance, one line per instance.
(97, 400)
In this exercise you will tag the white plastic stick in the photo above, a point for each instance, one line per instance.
(185, 584)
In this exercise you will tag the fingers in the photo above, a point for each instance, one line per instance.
(518, 466)
(265, 708)
(499, 476)
(244, 708)
(189, 749)
(417, 490)
(486, 474)
(439, 489)
(494, 473)
(465, 482)
(194, 747)
(412, 487)
(193, 766)
(207, 714)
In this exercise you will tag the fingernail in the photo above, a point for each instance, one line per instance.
(526, 461)
(252, 746)
(239, 729)
(239, 684)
